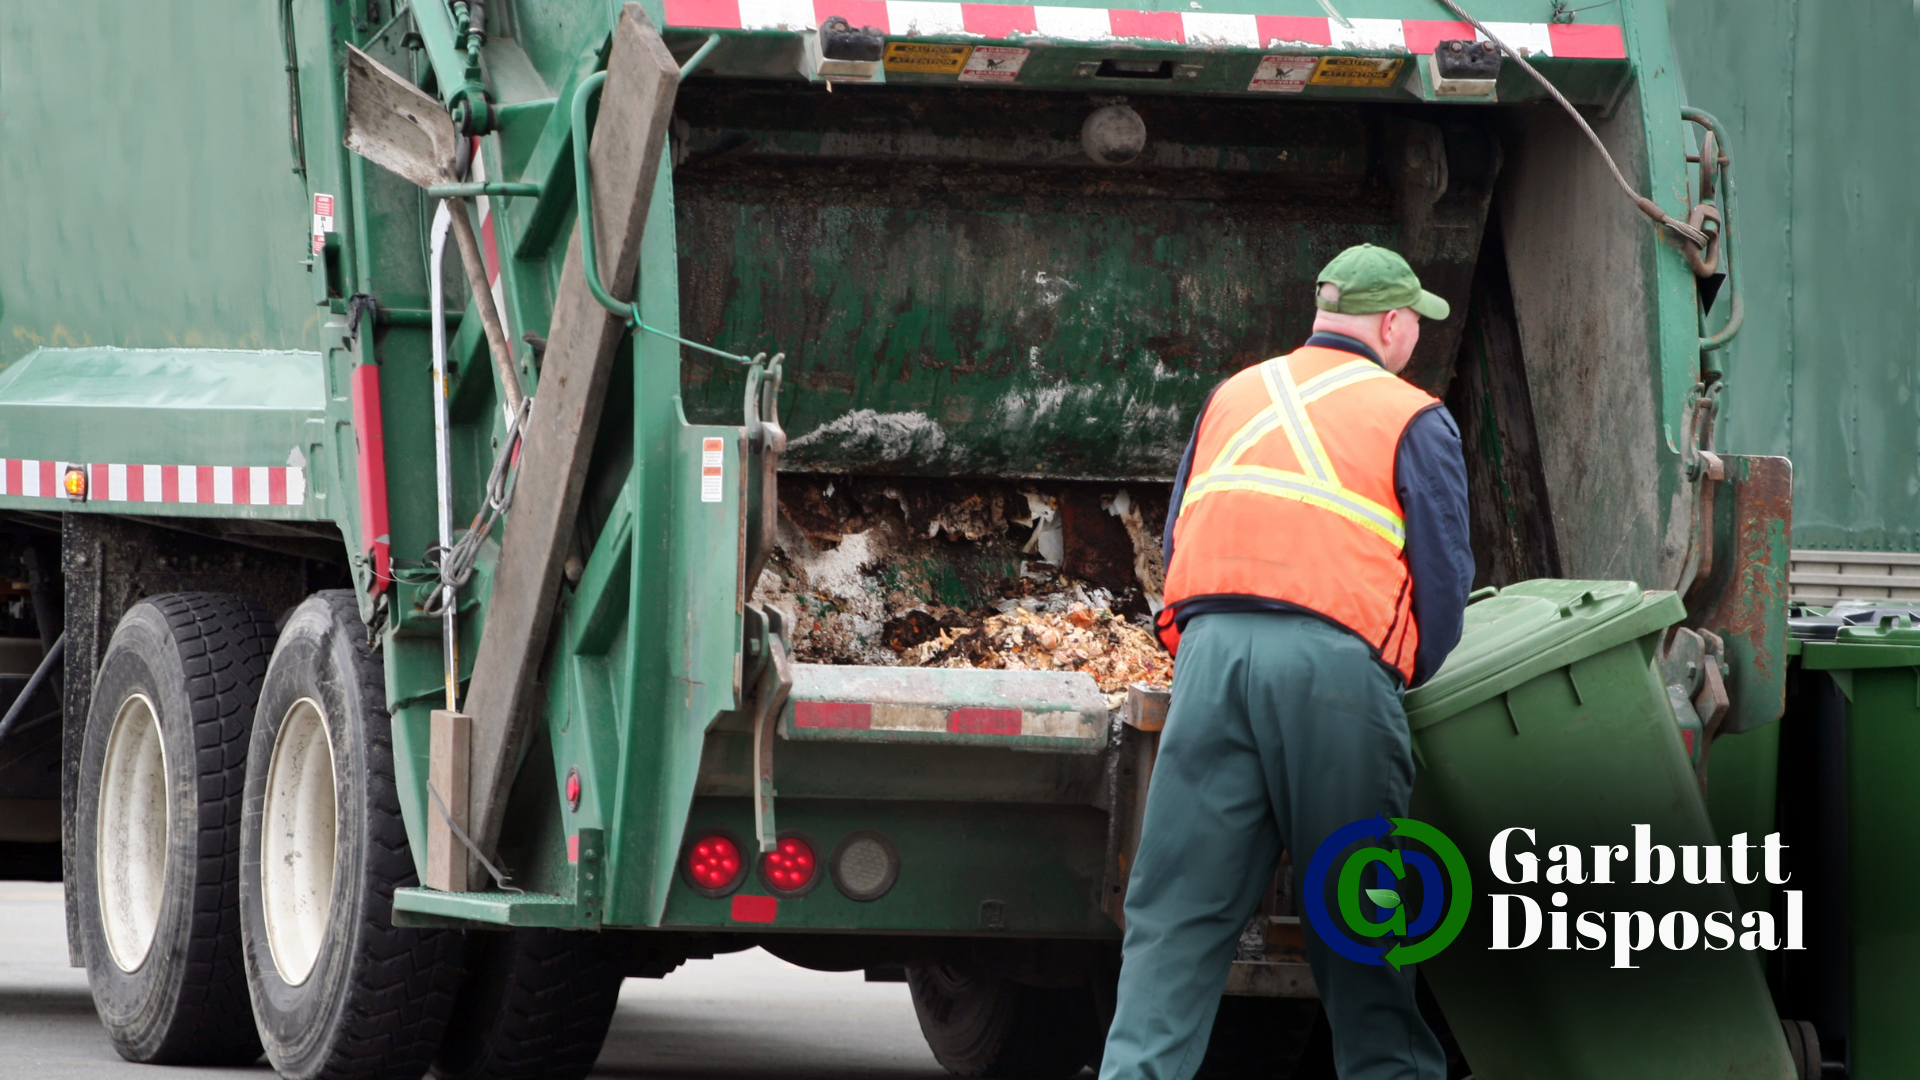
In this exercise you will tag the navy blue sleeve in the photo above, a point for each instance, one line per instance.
(1180, 483)
(1430, 477)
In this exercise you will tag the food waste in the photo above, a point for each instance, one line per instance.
(971, 575)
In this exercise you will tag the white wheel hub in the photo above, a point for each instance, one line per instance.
(297, 841)
(130, 857)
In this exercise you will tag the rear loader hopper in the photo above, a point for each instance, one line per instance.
(745, 531)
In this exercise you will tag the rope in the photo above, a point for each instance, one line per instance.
(1647, 206)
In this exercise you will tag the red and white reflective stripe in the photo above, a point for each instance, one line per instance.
(490, 244)
(972, 720)
(999, 22)
(224, 485)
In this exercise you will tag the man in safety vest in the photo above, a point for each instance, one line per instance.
(1317, 565)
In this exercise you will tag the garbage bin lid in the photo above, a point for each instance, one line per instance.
(1534, 627)
(1876, 637)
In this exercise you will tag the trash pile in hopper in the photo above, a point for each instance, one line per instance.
(925, 573)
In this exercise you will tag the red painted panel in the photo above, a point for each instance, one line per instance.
(709, 14)
(573, 847)
(50, 485)
(277, 487)
(243, 493)
(1312, 29)
(136, 483)
(97, 484)
(1583, 42)
(858, 12)
(1160, 25)
(372, 467)
(847, 715)
(170, 483)
(998, 21)
(760, 909)
(1424, 34)
(977, 721)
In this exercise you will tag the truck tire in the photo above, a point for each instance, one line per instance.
(979, 1025)
(535, 1004)
(157, 844)
(338, 991)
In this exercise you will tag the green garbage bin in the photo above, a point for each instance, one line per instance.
(1877, 669)
(1551, 716)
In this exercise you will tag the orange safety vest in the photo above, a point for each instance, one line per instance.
(1291, 498)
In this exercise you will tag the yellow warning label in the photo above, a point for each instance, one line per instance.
(925, 58)
(1356, 71)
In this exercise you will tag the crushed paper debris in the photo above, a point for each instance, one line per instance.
(1083, 638)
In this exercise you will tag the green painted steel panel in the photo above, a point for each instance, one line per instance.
(1820, 100)
(148, 196)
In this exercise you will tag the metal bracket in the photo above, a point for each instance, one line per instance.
(771, 677)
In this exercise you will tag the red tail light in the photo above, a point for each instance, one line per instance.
(714, 865)
(790, 869)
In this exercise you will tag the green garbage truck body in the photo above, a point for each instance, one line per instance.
(845, 246)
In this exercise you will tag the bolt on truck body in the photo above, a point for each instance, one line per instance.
(887, 246)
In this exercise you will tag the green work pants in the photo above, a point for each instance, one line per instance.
(1282, 729)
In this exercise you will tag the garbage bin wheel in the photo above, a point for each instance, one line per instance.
(980, 1025)
(156, 850)
(533, 1004)
(338, 991)
(1803, 1045)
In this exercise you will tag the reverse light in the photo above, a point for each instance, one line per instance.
(790, 869)
(864, 865)
(74, 483)
(713, 864)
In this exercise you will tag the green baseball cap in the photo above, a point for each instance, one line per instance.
(1367, 280)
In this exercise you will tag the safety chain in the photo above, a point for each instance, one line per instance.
(452, 567)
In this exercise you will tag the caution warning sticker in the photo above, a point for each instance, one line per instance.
(925, 58)
(712, 456)
(1373, 71)
(993, 64)
(322, 221)
(1283, 74)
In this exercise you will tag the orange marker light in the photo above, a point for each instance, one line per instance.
(75, 483)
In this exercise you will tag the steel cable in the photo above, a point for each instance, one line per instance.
(1647, 206)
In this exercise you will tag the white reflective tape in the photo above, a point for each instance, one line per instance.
(911, 18)
(793, 15)
(116, 483)
(908, 718)
(296, 486)
(1369, 35)
(1055, 725)
(3, 477)
(1209, 28)
(223, 484)
(1073, 24)
(30, 478)
(258, 492)
(150, 483)
(189, 483)
(1527, 39)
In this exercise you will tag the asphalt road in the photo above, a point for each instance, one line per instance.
(744, 1015)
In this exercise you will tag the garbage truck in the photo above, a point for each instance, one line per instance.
(501, 498)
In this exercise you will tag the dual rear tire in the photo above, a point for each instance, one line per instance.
(239, 845)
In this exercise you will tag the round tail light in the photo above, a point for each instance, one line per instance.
(713, 864)
(791, 868)
(865, 865)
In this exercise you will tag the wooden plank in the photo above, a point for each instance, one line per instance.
(450, 746)
(629, 136)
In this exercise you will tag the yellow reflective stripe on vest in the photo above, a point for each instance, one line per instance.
(1353, 371)
(1299, 487)
(1292, 413)
(1288, 412)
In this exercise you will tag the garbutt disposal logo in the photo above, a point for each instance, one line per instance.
(1395, 933)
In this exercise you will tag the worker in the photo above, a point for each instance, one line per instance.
(1317, 565)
